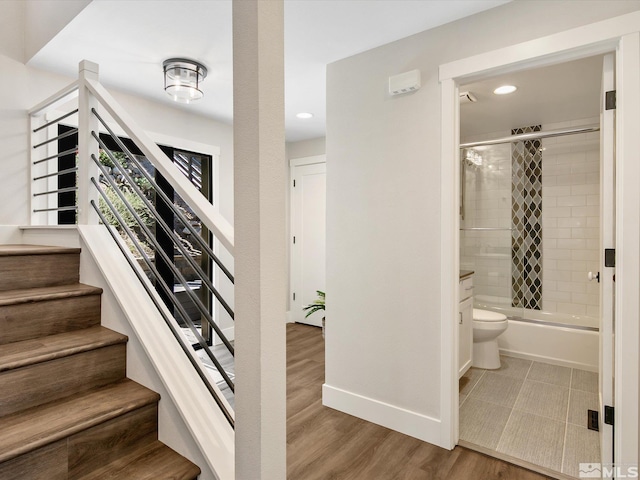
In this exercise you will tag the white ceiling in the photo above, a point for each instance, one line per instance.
(130, 40)
(558, 93)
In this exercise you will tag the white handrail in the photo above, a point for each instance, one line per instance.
(208, 215)
(60, 97)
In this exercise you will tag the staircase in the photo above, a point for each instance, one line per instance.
(67, 410)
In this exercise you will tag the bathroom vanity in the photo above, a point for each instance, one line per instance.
(465, 322)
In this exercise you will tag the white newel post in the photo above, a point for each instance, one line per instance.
(259, 193)
(87, 145)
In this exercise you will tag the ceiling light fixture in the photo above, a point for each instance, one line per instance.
(182, 79)
(304, 115)
(505, 89)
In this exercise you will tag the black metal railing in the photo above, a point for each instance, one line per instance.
(46, 190)
(204, 376)
(186, 295)
(138, 234)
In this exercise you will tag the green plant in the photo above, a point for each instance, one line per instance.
(106, 161)
(138, 206)
(315, 306)
(126, 164)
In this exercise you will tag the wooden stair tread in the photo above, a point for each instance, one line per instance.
(35, 427)
(155, 461)
(30, 352)
(39, 294)
(12, 250)
(66, 408)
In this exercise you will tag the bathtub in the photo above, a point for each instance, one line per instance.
(559, 339)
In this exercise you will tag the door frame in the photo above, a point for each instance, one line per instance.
(607, 240)
(293, 163)
(620, 35)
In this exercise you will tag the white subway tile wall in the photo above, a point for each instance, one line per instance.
(488, 205)
(571, 220)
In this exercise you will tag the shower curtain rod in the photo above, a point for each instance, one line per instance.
(533, 135)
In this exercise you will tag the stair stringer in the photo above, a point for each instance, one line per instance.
(190, 422)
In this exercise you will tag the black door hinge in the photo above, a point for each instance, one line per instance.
(294, 183)
(610, 100)
(609, 257)
(609, 415)
(592, 420)
(294, 239)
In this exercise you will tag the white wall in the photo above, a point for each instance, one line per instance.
(306, 148)
(13, 99)
(12, 20)
(383, 213)
(13, 138)
(19, 91)
(44, 19)
(571, 222)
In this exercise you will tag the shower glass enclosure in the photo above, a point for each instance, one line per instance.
(529, 226)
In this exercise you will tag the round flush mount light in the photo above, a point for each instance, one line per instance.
(182, 79)
(304, 115)
(505, 89)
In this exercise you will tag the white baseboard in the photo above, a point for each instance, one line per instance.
(551, 360)
(59, 235)
(399, 419)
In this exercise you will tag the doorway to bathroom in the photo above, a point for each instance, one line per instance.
(535, 176)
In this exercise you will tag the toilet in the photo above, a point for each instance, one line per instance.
(487, 326)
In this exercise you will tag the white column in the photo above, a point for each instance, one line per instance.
(87, 145)
(450, 262)
(259, 192)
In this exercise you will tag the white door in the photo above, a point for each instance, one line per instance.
(607, 241)
(308, 206)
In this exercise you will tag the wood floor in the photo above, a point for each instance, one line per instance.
(325, 444)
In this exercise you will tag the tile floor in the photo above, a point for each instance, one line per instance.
(533, 411)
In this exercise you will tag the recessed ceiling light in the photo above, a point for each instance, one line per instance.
(304, 115)
(505, 89)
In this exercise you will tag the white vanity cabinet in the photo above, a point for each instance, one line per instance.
(465, 324)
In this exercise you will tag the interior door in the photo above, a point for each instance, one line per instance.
(308, 207)
(607, 274)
